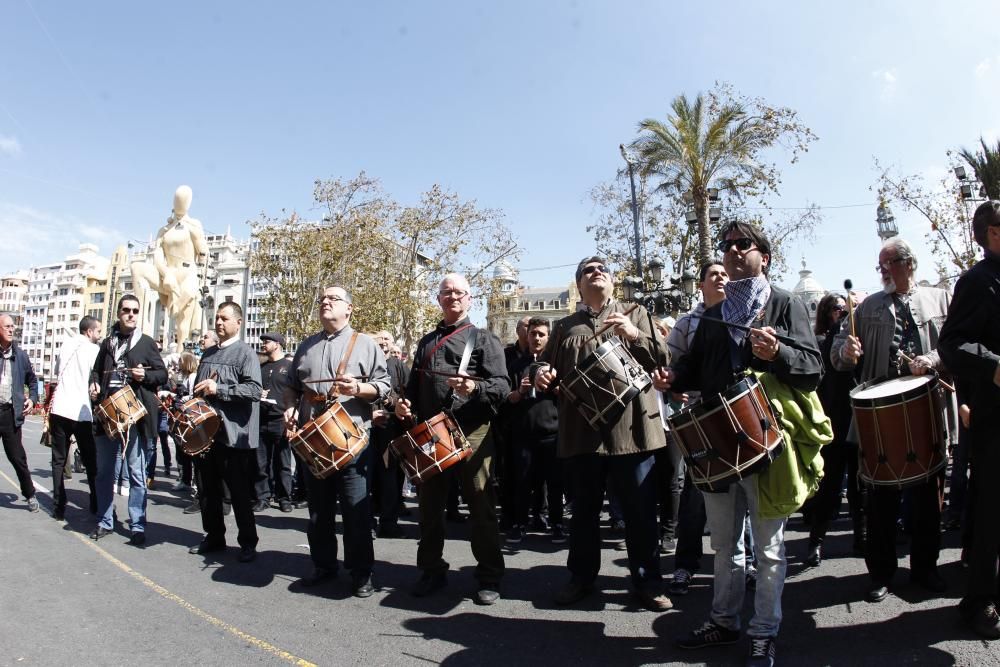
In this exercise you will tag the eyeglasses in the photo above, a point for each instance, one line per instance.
(887, 266)
(331, 298)
(126, 311)
(742, 245)
(587, 270)
(454, 293)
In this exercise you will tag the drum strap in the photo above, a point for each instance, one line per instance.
(430, 355)
(347, 354)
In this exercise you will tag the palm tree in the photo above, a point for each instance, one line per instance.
(986, 166)
(697, 146)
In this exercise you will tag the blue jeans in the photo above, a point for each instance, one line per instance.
(349, 487)
(634, 479)
(726, 514)
(109, 453)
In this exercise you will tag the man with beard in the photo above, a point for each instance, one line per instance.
(905, 319)
(718, 357)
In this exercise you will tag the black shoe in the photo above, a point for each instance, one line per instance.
(390, 531)
(709, 634)
(815, 557)
(573, 592)
(681, 582)
(285, 506)
(488, 594)
(206, 547)
(59, 514)
(515, 535)
(877, 593)
(455, 516)
(362, 587)
(558, 534)
(194, 507)
(930, 581)
(261, 506)
(247, 555)
(301, 503)
(317, 576)
(985, 622)
(100, 532)
(138, 539)
(668, 545)
(428, 583)
(653, 600)
(762, 652)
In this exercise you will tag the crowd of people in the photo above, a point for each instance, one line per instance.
(540, 431)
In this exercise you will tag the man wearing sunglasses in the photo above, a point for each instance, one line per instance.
(127, 357)
(460, 368)
(718, 357)
(904, 319)
(620, 454)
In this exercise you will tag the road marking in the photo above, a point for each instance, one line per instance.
(164, 593)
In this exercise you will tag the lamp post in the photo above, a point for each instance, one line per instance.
(661, 294)
(635, 207)
(885, 222)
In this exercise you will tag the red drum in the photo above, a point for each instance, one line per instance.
(604, 383)
(901, 430)
(193, 425)
(728, 436)
(329, 442)
(431, 447)
(119, 412)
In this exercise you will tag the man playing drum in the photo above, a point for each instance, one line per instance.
(458, 368)
(905, 319)
(229, 380)
(621, 452)
(717, 357)
(353, 370)
(970, 345)
(128, 359)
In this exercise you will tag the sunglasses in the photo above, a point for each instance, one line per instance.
(742, 245)
(126, 311)
(587, 270)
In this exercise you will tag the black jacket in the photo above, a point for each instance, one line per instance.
(715, 361)
(143, 352)
(22, 375)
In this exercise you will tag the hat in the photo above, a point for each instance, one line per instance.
(276, 337)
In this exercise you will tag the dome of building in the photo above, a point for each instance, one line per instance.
(809, 290)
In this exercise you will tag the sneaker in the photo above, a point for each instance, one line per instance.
(681, 582)
(194, 507)
(558, 534)
(668, 545)
(709, 634)
(761, 652)
(515, 535)
(180, 486)
(32, 504)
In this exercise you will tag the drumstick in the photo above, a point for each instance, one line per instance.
(627, 311)
(850, 305)
(942, 382)
(787, 340)
(450, 375)
(356, 377)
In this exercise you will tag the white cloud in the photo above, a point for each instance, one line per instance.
(984, 68)
(41, 237)
(887, 79)
(9, 146)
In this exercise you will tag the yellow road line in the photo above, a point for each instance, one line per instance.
(163, 592)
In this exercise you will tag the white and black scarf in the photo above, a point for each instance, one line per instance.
(745, 300)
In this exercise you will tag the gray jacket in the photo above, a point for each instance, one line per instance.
(237, 401)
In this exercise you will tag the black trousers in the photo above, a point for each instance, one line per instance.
(537, 468)
(274, 463)
(838, 458)
(386, 481)
(883, 510)
(236, 469)
(983, 540)
(61, 429)
(14, 449)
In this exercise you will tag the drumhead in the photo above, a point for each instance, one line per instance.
(894, 387)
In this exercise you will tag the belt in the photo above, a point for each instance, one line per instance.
(6, 406)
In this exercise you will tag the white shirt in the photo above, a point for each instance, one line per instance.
(72, 397)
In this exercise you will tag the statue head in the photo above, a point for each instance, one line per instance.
(182, 201)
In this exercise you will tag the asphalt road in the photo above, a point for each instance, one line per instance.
(68, 600)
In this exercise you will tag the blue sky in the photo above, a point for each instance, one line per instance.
(105, 108)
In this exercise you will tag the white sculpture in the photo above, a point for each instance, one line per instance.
(180, 248)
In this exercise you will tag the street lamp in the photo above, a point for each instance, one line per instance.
(885, 222)
(661, 295)
(635, 207)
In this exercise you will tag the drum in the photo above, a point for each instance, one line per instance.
(329, 442)
(193, 425)
(431, 447)
(119, 412)
(901, 430)
(728, 436)
(604, 383)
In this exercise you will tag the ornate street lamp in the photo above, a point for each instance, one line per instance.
(885, 221)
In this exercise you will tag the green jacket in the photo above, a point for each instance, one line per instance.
(793, 477)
